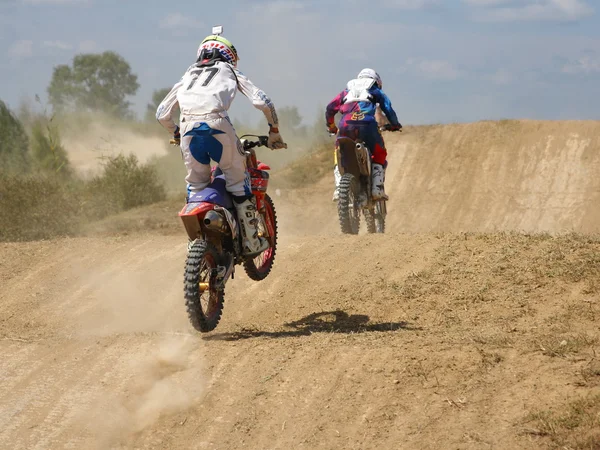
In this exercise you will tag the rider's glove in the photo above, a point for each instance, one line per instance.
(177, 136)
(397, 127)
(275, 141)
(332, 128)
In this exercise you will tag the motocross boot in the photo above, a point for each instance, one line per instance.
(378, 175)
(338, 176)
(252, 244)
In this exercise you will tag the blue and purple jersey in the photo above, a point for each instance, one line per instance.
(361, 110)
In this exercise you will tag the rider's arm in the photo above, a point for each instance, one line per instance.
(259, 99)
(164, 113)
(334, 107)
(385, 105)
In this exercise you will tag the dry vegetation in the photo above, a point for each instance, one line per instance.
(46, 205)
(47, 196)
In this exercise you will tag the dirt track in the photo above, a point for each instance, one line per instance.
(442, 339)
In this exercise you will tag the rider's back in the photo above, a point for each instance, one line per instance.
(207, 89)
(360, 99)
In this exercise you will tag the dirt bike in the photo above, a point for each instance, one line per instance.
(215, 248)
(355, 187)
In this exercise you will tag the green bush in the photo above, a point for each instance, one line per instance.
(48, 204)
(47, 151)
(37, 207)
(14, 153)
(123, 184)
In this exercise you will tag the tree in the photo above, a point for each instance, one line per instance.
(290, 121)
(96, 82)
(14, 154)
(157, 97)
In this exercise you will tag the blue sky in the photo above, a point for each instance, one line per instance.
(441, 61)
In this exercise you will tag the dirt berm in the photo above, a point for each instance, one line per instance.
(471, 324)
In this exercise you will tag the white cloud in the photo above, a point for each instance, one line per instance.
(585, 65)
(57, 44)
(434, 69)
(21, 49)
(56, 2)
(502, 77)
(88, 46)
(488, 2)
(412, 4)
(529, 10)
(177, 21)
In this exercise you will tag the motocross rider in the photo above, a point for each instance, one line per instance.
(358, 104)
(203, 96)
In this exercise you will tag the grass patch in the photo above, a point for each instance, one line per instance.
(563, 346)
(38, 207)
(575, 427)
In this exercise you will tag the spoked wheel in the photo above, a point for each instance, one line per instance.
(370, 220)
(259, 267)
(203, 301)
(375, 217)
(348, 207)
(380, 213)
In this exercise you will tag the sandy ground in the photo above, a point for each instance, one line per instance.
(449, 331)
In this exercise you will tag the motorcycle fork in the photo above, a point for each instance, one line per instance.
(223, 273)
(262, 216)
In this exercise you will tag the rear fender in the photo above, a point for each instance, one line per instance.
(363, 155)
(350, 158)
(192, 215)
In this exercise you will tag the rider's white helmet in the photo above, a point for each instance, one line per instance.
(370, 73)
(218, 43)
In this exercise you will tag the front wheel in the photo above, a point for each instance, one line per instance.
(370, 220)
(348, 204)
(258, 268)
(380, 213)
(203, 301)
(375, 217)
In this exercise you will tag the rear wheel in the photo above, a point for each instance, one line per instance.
(259, 267)
(348, 208)
(203, 301)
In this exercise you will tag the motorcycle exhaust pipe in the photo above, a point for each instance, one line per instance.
(214, 221)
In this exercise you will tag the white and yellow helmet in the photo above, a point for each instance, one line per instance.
(223, 46)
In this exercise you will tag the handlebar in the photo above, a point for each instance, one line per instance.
(248, 144)
(388, 127)
(261, 142)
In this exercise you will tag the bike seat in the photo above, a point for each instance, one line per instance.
(215, 193)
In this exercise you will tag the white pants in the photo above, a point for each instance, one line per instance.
(213, 138)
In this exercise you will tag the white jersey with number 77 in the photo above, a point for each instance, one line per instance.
(211, 89)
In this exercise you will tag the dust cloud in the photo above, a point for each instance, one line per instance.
(88, 148)
(164, 380)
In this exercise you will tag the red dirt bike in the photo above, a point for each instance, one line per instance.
(354, 163)
(215, 245)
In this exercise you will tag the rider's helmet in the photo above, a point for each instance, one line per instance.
(370, 73)
(215, 47)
